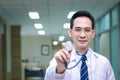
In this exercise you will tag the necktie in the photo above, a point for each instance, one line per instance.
(84, 69)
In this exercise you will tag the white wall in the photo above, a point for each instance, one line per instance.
(31, 47)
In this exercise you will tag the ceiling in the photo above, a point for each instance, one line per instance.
(53, 13)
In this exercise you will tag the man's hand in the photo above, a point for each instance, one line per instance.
(61, 57)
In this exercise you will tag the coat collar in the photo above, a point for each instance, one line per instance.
(91, 55)
(74, 55)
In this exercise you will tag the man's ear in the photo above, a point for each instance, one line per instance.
(69, 32)
(93, 33)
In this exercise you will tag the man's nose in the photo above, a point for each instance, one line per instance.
(82, 34)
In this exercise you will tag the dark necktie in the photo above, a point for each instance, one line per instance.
(84, 69)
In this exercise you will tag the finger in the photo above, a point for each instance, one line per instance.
(62, 56)
(59, 56)
(65, 55)
(59, 59)
(63, 44)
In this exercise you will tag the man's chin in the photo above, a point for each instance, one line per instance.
(83, 46)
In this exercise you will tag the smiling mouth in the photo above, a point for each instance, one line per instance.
(82, 41)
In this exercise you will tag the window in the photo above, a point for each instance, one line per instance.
(115, 16)
(97, 27)
(105, 23)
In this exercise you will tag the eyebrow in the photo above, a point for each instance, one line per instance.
(84, 28)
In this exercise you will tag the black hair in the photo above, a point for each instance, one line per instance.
(80, 14)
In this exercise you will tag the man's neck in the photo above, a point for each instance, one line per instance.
(82, 50)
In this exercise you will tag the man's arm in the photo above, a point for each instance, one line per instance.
(110, 72)
(51, 72)
(57, 69)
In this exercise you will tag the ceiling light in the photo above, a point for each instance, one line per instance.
(66, 25)
(38, 26)
(55, 43)
(41, 32)
(34, 15)
(61, 38)
(70, 14)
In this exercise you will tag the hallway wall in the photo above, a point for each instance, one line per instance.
(0, 53)
(31, 49)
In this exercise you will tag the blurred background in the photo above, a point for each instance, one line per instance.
(31, 31)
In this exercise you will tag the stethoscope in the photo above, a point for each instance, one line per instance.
(69, 68)
(66, 65)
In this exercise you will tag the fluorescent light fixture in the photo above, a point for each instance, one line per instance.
(41, 32)
(55, 43)
(66, 25)
(34, 15)
(70, 14)
(61, 38)
(38, 26)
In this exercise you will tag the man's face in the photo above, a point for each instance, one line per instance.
(82, 32)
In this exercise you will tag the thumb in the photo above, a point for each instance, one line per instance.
(63, 44)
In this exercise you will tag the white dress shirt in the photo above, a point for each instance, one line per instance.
(99, 68)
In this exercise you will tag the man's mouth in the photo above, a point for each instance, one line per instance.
(82, 41)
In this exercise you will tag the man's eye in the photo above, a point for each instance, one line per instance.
(87, 30)
(78, 29)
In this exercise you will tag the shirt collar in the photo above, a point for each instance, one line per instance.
(74, 56)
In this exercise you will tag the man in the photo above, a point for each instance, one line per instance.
(93, 67)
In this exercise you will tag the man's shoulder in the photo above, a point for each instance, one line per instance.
(99, 56)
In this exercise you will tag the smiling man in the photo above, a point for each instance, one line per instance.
(81, 63)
